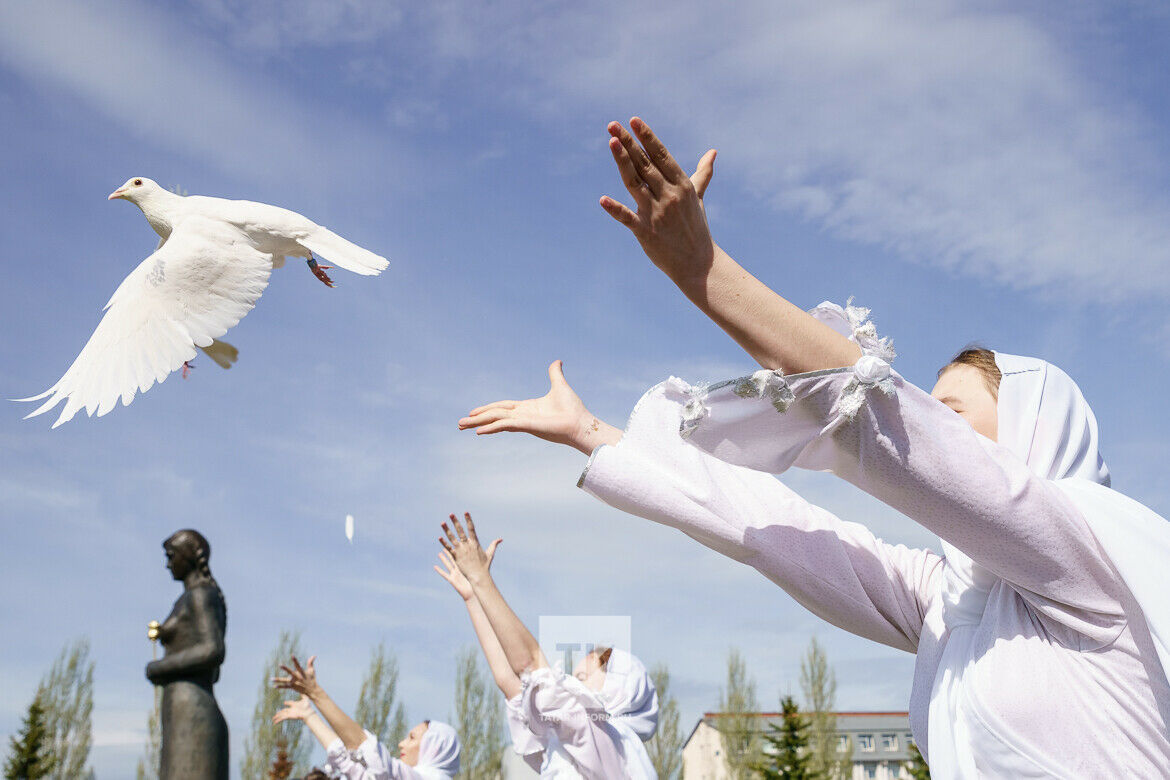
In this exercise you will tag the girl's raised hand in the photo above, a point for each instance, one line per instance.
(455, 577)
(670, 222)
(303, 680)
(559, 416)
(464, 548)
(298, 709)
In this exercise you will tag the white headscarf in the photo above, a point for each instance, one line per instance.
(631, 702)
(1045, 420)
(438, 754)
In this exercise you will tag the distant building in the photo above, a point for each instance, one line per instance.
(880, 742)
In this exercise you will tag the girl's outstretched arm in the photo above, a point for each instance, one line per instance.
(520, 647)
(506, 679)
(303, 680)
(671, 225)
(559, 416)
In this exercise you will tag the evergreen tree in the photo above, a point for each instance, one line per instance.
(376, 700)
(819, 686)
(30, 757)
(148, 765)
(665, 748)
(67, 698)
(478, 720)
(261, 745)
(737, 727)
(787, 758)
(916, 764)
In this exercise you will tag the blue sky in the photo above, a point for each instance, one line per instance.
(973, 171)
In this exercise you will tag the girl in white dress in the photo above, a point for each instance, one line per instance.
(590, 724)
(1041, 634)
(429, 752)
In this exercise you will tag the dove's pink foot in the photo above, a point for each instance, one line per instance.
(187, 368)
(319, 272)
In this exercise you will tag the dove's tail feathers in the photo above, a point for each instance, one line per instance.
(223, 353)
(344, 254)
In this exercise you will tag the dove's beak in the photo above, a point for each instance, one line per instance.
(116, 194)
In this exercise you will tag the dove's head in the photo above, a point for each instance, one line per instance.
(137, 190)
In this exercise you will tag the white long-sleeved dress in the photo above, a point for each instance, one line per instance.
(1058, 675)
(557, 714)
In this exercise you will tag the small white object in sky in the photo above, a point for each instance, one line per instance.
(349, 528)
(208, 270)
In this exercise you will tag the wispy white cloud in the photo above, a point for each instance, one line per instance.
(270, 25)
(959, 135)
(167, 85)
(36, 494)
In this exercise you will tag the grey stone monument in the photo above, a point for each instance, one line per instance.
(194, 732)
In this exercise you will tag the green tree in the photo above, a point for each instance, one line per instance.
(148, 765)
(399, 727)
(30, 757)
(67, 698)
(916, 764)
(260, 747)
(786, 757)
(819, 685)
(665, 748)
(376, 700)
(478, 720)
(737, 723)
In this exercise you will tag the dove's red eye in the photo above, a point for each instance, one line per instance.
(138, 182)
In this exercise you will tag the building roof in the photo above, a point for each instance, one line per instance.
(859, 720)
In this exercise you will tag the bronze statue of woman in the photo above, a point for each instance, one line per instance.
(194, 732)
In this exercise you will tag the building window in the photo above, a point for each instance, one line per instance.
(870, 768)
(865, 743)
(889, 741)
(842, 743)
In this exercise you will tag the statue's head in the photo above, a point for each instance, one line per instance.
(187, 551)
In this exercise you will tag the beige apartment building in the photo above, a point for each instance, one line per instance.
(879, 742)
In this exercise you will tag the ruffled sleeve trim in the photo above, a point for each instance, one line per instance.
(871, 370)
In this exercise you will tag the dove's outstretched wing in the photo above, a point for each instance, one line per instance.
(194, 287)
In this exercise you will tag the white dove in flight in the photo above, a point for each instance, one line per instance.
(211, 264)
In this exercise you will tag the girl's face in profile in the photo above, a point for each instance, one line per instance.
(590, 671)
(964, 390)
(408, 747)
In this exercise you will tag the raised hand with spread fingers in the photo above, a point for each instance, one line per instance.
(303, 680)
(302, 709)
(506, 679)
(671, 222)
(671, 225)
(520, 647)
(450, 572)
